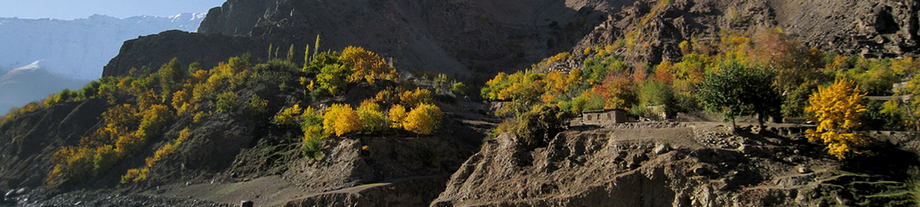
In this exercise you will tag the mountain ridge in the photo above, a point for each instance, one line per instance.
(80, 47)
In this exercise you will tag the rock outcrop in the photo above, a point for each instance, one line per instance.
(639, 165)
(869, 28)
(463, 38)
(457, 38)
(30, 141)
(148, 53)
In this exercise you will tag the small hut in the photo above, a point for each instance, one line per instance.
(604, 117)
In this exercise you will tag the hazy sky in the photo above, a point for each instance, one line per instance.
(71, 9)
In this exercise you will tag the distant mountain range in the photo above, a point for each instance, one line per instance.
(30, 83)
(78, 48)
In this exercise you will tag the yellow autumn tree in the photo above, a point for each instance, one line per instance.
(415, 97)
(181, 102)
(340, 119)
(837, 110)
(397, 116)
(372, 117)
(287, 116)
(424, 119)
(365, 65)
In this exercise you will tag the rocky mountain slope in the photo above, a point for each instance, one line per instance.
(665, 164)
(867, 28)
(483, 37)
(239, 154)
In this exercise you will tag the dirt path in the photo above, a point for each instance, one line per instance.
(265, 191)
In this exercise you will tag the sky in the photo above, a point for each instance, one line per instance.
(73, 9)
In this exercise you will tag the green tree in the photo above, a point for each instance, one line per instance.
(226, 102)
(172, 76)
(656, 94)
(539, 125)
(738, 90)
(332, 78)
(909, 110)
(372, 117)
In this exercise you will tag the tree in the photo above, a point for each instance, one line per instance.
(397, 115)
(257, 105)
(737, 90)
(910, 110)
(415, 97)
(364, 65)
(618, 91)
(332, 78)
(226, 102)
(654, 93)
(340, 119)
(311, 124)
(172, 76)
(287, 116)
(837, 110)
(372, 118)
(181, 102)
(424, 119)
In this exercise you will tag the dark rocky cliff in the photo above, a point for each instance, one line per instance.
(867, 28)
(154, 50)
(483, 37)
(455, 38)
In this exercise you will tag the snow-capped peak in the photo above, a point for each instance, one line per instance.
(79, 48)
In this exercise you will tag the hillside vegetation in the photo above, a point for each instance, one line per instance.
(726, 106)
(158, 114)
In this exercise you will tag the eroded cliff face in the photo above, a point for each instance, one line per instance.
(651, 164)
(867, 28)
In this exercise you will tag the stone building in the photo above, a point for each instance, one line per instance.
(604, 117)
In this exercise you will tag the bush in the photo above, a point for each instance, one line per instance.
(424, 119)
(340, 119)
(287, 116)
(415, 97)
(539, 125)
(372, 117)
(397, 115)
(226, 102)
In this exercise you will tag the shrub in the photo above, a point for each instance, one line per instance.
(257, 105)
(415, 97)
(424, 119)
(372, 118)
(340, 119)
(226, 102)
(287, 116)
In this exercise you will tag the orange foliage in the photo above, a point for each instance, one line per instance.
(663, 73)
(617, 90)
